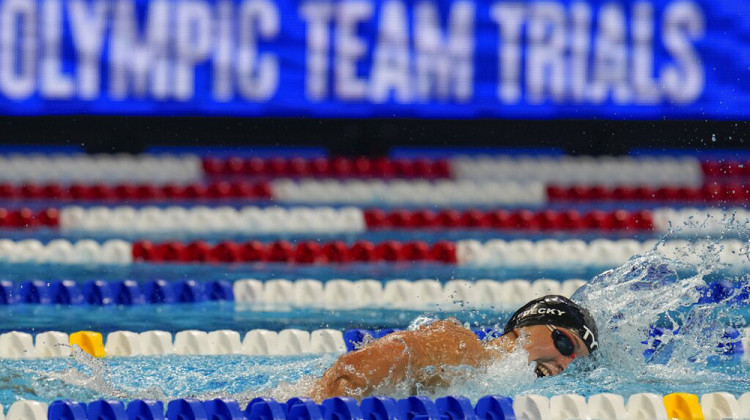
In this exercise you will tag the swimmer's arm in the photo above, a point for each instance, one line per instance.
(390, 359)
(358, 373)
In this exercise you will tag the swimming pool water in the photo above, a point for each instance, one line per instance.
(206, 272)
(282, 377)
(210, 316)
(627, 301)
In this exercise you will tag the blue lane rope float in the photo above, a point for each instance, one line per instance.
(100, 292)
(303, 409)
(490, 407)
(298, 408)
(145, 410)
(68, 410)
(106, 409)
(223, 409)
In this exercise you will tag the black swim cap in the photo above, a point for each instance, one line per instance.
(559, 311)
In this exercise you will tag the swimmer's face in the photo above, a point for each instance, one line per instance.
(542, 350)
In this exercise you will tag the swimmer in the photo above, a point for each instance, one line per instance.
(554, 329)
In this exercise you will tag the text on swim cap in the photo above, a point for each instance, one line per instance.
(587, 333)
(542, 311)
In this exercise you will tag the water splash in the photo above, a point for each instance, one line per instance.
(85, 378)
(668, 322)
(510, 375)
(86, 372)
(663, 323)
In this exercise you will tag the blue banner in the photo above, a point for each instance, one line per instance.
(645, 59)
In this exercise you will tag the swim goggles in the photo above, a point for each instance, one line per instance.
(562, 341)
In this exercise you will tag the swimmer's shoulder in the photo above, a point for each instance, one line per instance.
(449, 328)
(453, 333)
(444, 324)
(503, 344)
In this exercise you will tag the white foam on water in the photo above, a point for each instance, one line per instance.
(87, 372)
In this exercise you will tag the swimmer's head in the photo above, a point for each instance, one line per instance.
(557, 331)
